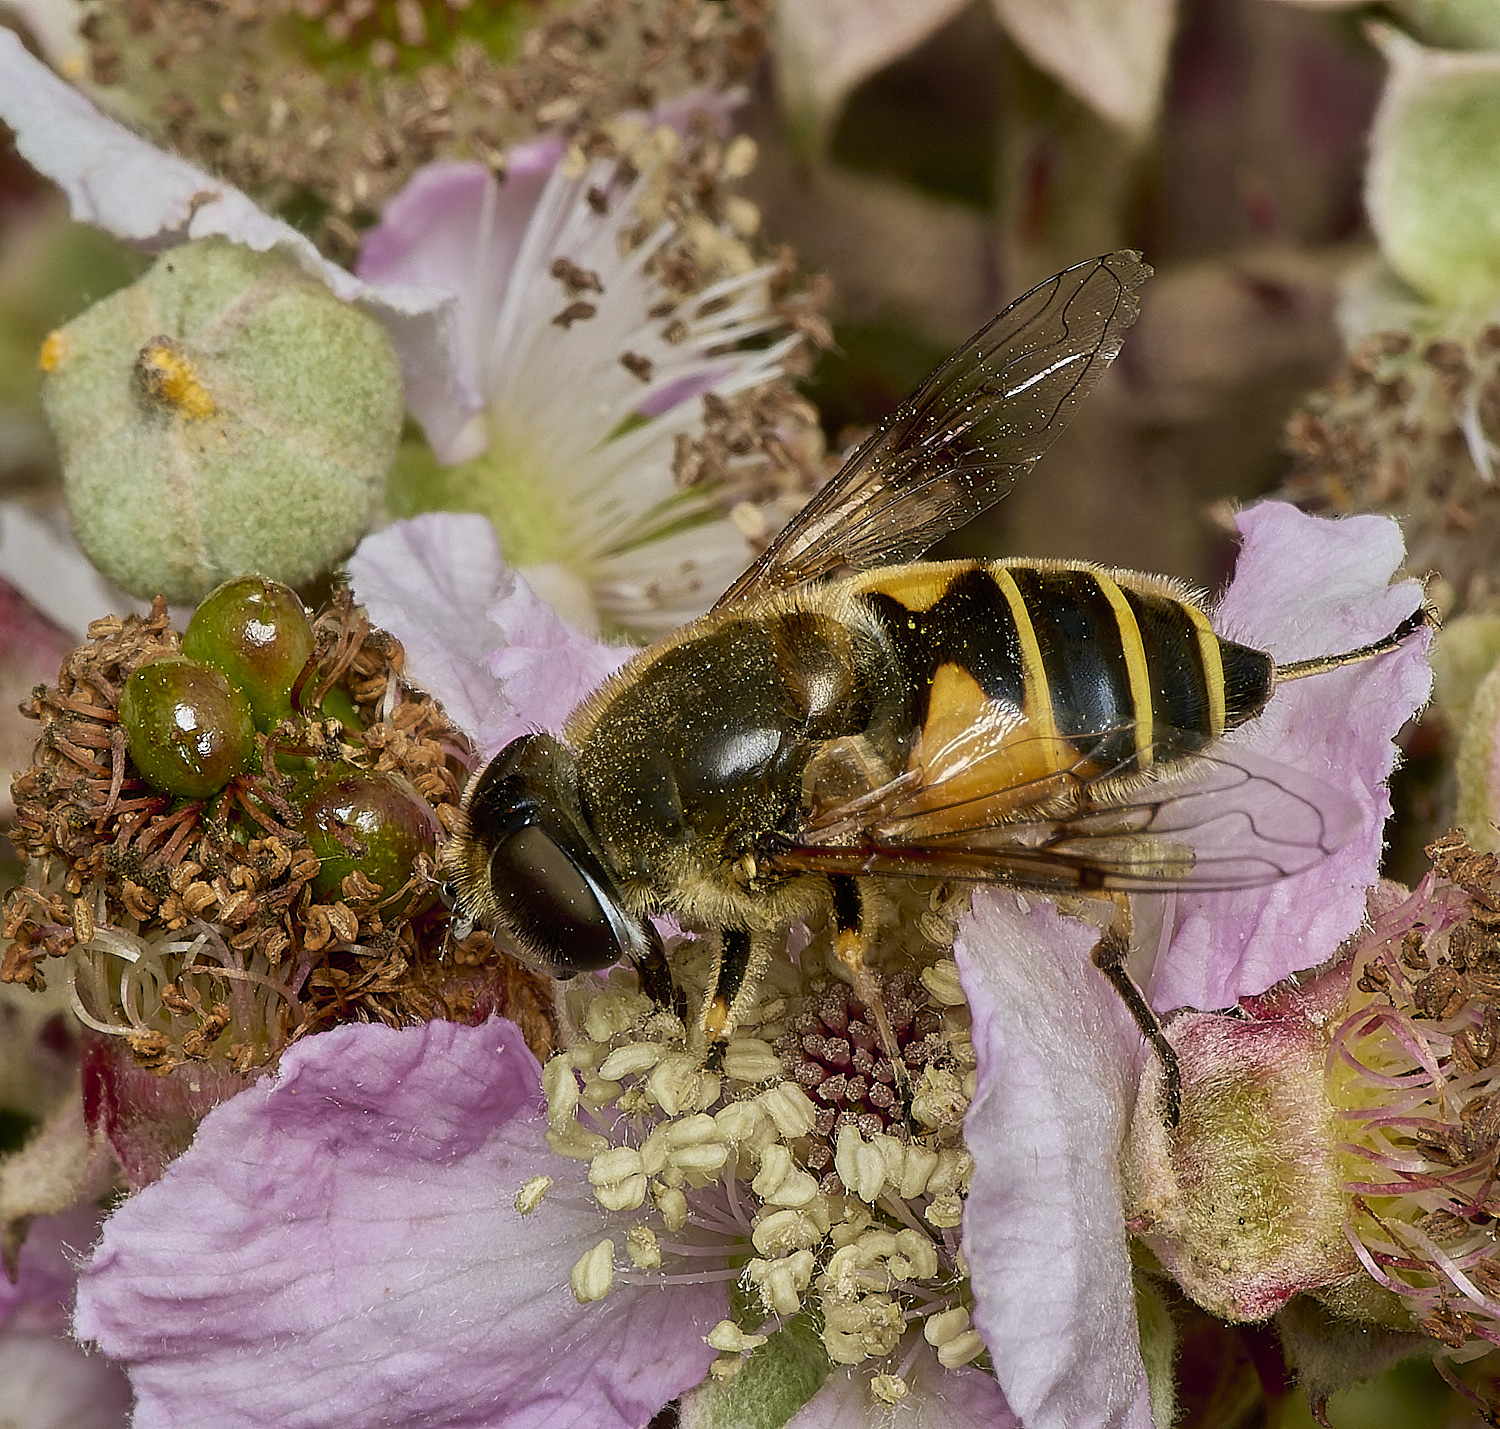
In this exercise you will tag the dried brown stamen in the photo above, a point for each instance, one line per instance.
(194, 928)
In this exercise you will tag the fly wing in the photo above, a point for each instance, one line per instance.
(957, 445)
(1221, 818)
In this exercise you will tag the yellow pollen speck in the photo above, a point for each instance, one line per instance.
(168, 376)
(54, 349)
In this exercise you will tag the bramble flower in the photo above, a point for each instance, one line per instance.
(615, 266)
(622, 414)
(634, 1224)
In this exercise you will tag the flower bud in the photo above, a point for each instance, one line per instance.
(1338, 1137)
(1242, 1201)
(225, 413)
(1432, 190)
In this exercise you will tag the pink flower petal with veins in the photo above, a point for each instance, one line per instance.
(339, 1248)
(1044, 1231)
(47, 1381)
(454, 228)
(1303, 587)
(476, 636)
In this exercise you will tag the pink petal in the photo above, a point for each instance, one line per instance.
(454, 229)
(1044, 1232)
(340, 1248)
(546, 666)
(46, 1380)
(1303, 587)
(501, 661)
(47, 1270)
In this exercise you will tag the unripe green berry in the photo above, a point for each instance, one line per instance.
(188, 729)
(257, 633)
(372, 822)
(339, 704)
(226, 413)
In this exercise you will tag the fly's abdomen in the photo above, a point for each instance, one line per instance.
(1017, 671)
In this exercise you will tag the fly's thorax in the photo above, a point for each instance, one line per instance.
(694, 754)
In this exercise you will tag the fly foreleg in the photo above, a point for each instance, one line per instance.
(655, 974)
(735, 979)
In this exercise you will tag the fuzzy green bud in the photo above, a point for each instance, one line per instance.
(1433, 187)
(1452, 24)
(225, 413)
(1243, 1202)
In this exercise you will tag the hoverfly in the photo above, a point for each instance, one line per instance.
(841, 716)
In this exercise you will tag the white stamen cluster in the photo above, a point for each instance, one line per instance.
(726, 1158)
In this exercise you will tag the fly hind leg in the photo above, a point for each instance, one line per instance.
(1110, 954)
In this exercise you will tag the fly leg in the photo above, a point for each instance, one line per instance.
(655, 974)
(741, 963)
(850, 945)
(1110, 954)
(1423, 615)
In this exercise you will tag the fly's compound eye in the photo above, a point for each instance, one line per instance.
(558, 907)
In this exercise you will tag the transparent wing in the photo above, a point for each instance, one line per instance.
(1222, 818)
(958, 444)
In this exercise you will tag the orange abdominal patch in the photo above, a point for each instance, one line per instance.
(980, 758)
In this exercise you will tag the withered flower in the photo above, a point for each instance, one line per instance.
(1340, 1133)
(202, 935)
